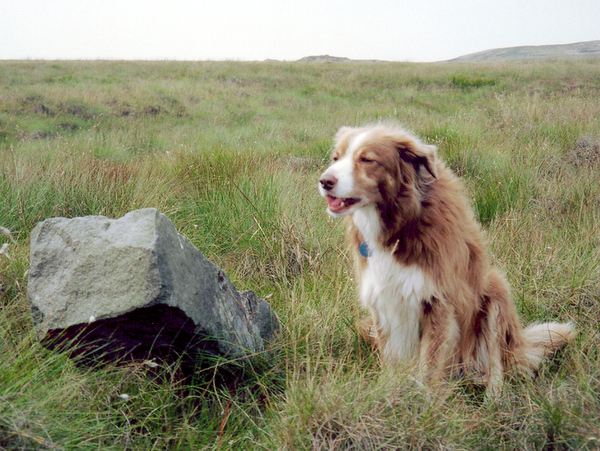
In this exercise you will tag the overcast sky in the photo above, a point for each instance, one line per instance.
(397, 30)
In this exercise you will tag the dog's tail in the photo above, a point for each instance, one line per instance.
(543, 340)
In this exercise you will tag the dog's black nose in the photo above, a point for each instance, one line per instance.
(328, 182)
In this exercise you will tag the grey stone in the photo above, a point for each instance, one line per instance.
(135, 286)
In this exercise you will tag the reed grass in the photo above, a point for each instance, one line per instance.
(231, 152)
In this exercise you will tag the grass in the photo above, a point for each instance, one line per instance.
(231, 153)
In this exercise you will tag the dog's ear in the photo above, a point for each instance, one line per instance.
(427, 158)
(421, 156)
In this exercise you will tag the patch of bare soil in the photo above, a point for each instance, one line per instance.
(586, 152)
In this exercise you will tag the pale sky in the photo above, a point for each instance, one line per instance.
(395, 30)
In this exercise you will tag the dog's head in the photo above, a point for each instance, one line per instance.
(378, 165)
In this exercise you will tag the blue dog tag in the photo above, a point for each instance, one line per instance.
(364, 250)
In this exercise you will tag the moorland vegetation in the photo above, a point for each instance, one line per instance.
(231, 152)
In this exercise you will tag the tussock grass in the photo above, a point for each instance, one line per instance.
(231, 153)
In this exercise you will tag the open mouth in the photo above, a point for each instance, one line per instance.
(339, 205)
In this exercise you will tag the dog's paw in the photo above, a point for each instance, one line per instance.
(369, 331)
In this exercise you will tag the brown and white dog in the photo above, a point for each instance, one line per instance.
(422, 263)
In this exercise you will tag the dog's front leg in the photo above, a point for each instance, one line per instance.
(369, 330)
(439, 336)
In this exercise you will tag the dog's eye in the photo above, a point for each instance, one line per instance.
(367, 160)
(335, 158)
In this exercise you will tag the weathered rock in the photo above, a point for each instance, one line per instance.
(134, 286)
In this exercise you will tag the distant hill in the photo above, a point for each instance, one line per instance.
(323, 58)
(333, 59)
(523, 53)
(533, 52)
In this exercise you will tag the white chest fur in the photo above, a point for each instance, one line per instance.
(393, 293)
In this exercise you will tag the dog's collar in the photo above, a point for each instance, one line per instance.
(364, 249)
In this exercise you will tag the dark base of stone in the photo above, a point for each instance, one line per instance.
(160, 333)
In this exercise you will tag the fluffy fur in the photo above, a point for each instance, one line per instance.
(434, 299)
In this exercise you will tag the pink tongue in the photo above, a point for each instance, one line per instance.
(334, 201)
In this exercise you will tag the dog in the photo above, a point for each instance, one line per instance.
(436, 303)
